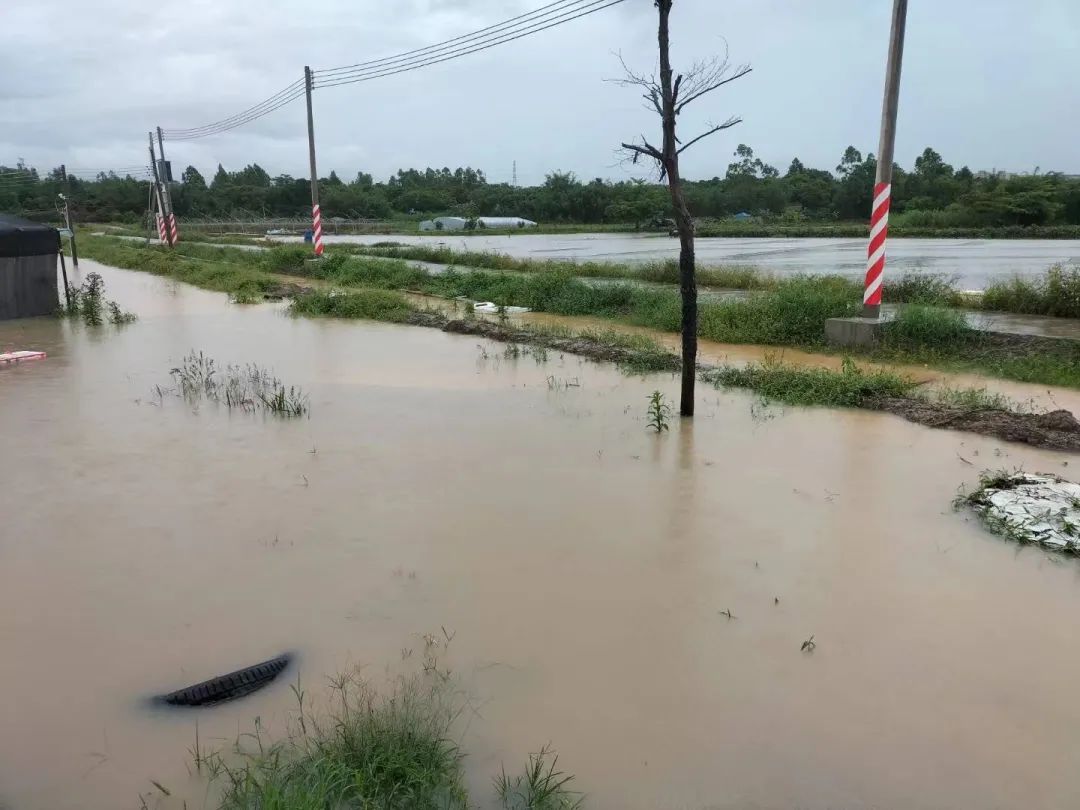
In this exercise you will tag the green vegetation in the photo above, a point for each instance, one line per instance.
(377, 305)
(540, 787)
(1056, 293)
(89, 303)
(659, 412)
(851, 387)
(248, 388)
(790, 312)
(932, 198)
(377, 749)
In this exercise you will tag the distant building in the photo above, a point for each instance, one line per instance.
(742, 216)
(461, 224)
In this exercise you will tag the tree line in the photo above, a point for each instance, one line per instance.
(931, 194)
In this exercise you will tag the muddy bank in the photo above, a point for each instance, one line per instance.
(1057, 430)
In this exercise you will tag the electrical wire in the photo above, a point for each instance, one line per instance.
(427, 50)
(532, 22)
(279, 99)
(480, 45)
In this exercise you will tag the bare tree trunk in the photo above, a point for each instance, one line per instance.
(684, 223)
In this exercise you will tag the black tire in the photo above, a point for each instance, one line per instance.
(228, 687)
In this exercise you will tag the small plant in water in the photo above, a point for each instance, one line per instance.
(540, 787)
(247, 388)
(88, 302)
(503, 317)
(659, 412)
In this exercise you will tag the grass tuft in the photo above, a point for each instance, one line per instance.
(851, 387)
(380, 305)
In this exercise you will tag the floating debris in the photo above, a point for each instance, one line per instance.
(1033, 508)
(18, 357)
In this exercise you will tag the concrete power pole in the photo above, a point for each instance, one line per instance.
(67, 220)
(316, 215)
(170, 215)
(879, 214)
(157, 193)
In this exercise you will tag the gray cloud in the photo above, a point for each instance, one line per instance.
(989, 84)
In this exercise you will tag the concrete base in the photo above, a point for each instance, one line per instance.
(862, 332)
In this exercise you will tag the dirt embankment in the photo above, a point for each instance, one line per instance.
(1057, 430)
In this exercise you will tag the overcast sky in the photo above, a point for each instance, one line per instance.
(988, 83)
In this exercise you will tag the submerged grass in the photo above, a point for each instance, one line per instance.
(851, 387)
(248, 387)
(378, 305)
(389, 748)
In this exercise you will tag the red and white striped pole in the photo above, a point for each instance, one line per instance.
(316, 215)
(875, 253)
(174, 234)
(879, 212)
(161, 230)
(316, 219)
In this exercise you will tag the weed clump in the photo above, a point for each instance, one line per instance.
(379, 305)
(89, 303)
(851, 387)
(1056, 293)
(248, 387)
(924, 328)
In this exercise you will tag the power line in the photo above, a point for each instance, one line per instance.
(532, 22)
(265, 107)
(507, 36)
(427, 50)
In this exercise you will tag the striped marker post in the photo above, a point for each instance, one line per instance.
(161, 230)
(174, 234)
(317, 220)
(875, 252)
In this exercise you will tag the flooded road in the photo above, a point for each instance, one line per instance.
(581, 561)
(975, 262)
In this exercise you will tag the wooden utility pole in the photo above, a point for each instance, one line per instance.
(68, 222)
(879, 214)
(316, 215)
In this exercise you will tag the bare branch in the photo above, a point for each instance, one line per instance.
(675, 90)
(740, 71)
(726, 125)
(644, 148)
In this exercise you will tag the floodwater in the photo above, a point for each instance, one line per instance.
(581, 561)
(975, 262)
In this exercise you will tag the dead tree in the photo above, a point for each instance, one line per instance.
(668, 97)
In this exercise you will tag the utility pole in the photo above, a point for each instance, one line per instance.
(514, 182)
(157, 193)
(170, 215)
(67, 221)
(316, 216)
(879, 214)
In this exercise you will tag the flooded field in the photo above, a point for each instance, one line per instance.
(582, 562)
(975, 262)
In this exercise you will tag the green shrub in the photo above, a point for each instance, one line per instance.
(923, 327)
(379, 305)
(1055, 293)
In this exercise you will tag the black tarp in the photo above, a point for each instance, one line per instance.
(21, 237)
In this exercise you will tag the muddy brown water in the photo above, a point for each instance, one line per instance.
(581, 561)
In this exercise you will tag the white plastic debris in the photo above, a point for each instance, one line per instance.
(489, 308)
(1033, 508)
